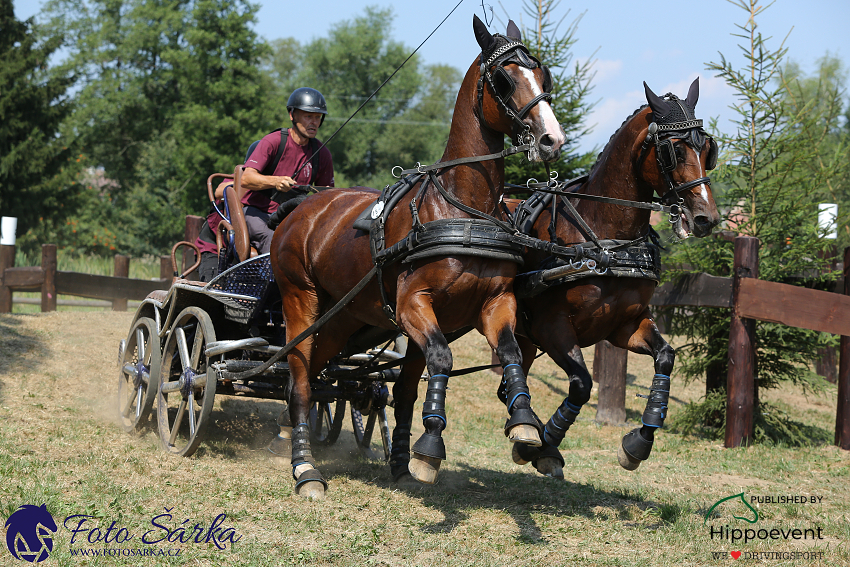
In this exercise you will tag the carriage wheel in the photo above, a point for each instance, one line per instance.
(138, 365)
(363, 432)
(187, 383)
(326, 421)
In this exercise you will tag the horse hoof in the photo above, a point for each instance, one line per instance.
(627, 461)
(280, 446)
(516, 456)
(550, 467)
(312, 490)
(423, 468)
(523, 433)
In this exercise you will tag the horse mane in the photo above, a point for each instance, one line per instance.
(617, 131)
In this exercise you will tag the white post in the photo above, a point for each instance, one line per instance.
(8, 226)
(828, 219)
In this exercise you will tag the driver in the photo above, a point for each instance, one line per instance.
(268, 185)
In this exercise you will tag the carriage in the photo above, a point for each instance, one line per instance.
(186, 344)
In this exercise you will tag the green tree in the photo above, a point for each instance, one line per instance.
(36, 167)
(347, 67)
(571, 88)
(768, 189)
(169, 91)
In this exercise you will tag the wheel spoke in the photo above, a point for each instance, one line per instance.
(197, 349)
(138, 402)
(140, 344)
(129, 368)
(180, 411)
(125, 411)
(184, 350)
(191, 404)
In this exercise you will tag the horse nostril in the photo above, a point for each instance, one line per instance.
(546, 141)
(704, 222)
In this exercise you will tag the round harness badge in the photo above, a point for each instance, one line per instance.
(377, 209)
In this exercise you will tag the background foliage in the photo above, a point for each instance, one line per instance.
(789, 152)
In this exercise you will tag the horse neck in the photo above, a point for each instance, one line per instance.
(616, 175)
(478, 184)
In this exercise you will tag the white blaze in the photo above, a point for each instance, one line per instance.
(551, 125)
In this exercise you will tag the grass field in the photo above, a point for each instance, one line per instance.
(60, 445)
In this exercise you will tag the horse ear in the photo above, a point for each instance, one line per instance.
(482, 36)
(658, 105)
(693, 94)
(513, 31)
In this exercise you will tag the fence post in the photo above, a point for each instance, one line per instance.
(122, 270)
(842, 417)
(609, 371)
(7, 260)
(193, 230)
(740, 381)
(166, 270)
(48, 286)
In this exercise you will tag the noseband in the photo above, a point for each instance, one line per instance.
(503, 86)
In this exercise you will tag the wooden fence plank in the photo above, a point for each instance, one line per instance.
(794, 306)
(696, 290)
(26, 277)
(106, 287)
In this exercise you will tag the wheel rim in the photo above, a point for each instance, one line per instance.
(138, 368)
(186, 391)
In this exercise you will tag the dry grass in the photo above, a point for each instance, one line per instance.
(61, 446)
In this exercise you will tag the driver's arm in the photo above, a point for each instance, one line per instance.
(253, 180)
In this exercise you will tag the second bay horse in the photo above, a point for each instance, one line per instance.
(661, 149)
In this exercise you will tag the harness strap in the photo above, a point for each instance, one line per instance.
(474, 159)
(468, 210)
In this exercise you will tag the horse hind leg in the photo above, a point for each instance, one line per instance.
(637, 444)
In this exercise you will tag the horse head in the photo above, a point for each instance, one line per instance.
(682, 153)
(514, 91)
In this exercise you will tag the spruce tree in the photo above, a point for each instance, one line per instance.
(36, 167)
(766, 188)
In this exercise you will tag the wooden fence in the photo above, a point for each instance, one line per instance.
(116, 289)
(750, 299)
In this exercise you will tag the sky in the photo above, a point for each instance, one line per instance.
(665, 43)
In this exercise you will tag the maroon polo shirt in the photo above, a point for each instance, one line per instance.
(292, 159)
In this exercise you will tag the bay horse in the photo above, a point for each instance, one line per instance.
(661, 148)
(318, 257)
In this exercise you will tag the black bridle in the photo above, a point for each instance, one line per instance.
(662, 136)
(503, 86)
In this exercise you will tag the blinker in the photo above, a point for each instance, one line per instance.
(666, 155)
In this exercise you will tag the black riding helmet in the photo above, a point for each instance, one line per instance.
(307, 100)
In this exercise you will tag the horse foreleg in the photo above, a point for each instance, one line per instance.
(497, 325)
(420, 323)
(404, 396)
(646, 339)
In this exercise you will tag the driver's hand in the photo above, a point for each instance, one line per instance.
(284, 183)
